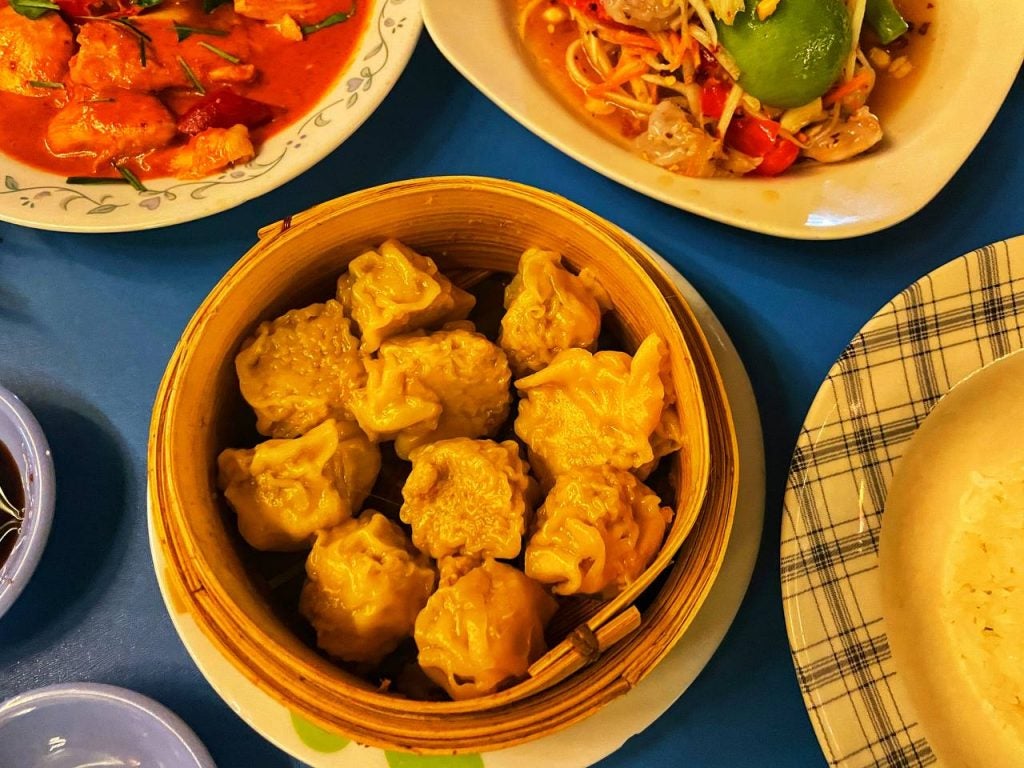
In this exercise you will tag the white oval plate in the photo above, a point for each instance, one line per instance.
(930, 134)
(916, 348)
(594, 738)
(43, 200)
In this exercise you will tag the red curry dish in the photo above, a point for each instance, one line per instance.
(147, 88)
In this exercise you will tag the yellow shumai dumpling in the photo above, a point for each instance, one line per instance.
(483, 631)
(300, 369)
(421, 389)
(666, 438)
(548, 309)
(284, 491)
(468, 498)
(587, 410)
(597, 530)
(394, 290)
(365, 586)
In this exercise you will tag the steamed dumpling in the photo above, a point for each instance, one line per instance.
(394, 290)
(548, 309)
(587, 410)
(483, 631)
(299, 369)
(284, 491)
(424, 388)
(596, 532)
(468, 498)
(366, 584)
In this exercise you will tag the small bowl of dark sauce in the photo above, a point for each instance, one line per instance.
(29, 489)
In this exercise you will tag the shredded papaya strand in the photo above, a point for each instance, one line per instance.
(624, 71)
(620, 99)
(694, 52)
(575, 73)
(729, 110)
(792, 138)
(857, 22)
(862, 79)
(681, 46)
(597, 57)
(634, 39)
(706, 21)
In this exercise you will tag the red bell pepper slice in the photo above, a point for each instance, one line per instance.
(760, 138)
(224, 108)
(84, 9)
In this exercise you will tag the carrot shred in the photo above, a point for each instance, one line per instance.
(622, 74)
(620, 37)
(860, 80)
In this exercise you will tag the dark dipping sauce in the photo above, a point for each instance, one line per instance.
(10, 482)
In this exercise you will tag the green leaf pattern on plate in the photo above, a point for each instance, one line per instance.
(404, 760)
(315, 737)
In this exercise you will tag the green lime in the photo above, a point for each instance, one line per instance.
(795, 54)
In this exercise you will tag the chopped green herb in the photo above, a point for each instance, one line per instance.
(184, 32)
(211, 5)
(130, 177)
(335, 18)
(95, 180)
(147, 3)
(122, 22)
(45, 84)
(33, 9)
(192, 76)
(222, 53)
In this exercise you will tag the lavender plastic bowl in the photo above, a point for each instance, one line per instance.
(88, 724)
(24, 438)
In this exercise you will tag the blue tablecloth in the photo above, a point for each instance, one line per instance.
(87, 324)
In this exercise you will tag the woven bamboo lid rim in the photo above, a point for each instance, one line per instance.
(506, 717)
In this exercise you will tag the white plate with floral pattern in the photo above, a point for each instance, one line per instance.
(35, 198)
(585, 742)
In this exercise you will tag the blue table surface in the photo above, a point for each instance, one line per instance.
(88, 322)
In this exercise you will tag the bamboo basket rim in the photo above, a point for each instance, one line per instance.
(198, 593)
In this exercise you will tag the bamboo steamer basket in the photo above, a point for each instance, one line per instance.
(470, 226)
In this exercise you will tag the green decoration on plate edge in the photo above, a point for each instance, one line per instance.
(315, 737)
(404, 760)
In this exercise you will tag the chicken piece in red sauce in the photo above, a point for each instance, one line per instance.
(33, 52)
(115, 125)
(110, 56)
(212, 150)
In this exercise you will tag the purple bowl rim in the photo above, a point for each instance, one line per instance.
(22, 562)
(79, 692)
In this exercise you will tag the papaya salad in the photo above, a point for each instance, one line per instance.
(118, 91)
(725, 87)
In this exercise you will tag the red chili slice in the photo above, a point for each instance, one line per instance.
(82, 9)
(224, 108)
